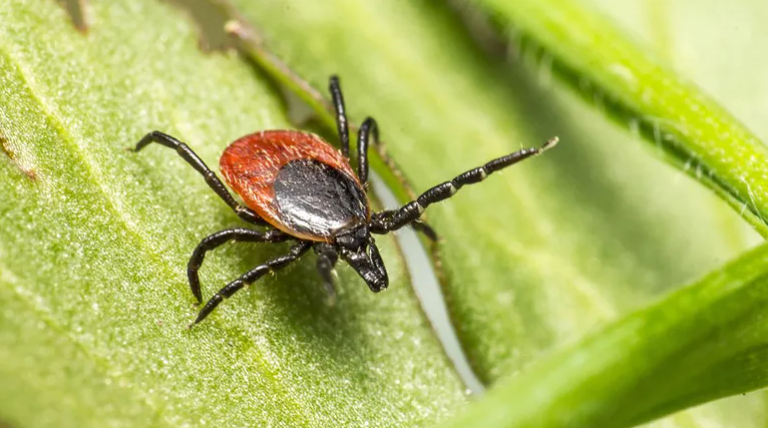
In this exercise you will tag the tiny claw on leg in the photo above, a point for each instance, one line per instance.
(196, 321)
(200, 317)
(552, 142)
(330, 301)
(330, 296)
(330, 290)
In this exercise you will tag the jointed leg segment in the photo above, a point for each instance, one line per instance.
(392, 220)
(219, 238)
(368, 128)
(251, 276)
(341, 116)
(210, 177)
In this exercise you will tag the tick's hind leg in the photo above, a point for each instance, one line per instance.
(250, 277)
(219, 238)
(326, 260)
(210, 177)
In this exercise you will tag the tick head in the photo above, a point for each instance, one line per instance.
(354, 238)
(358, 248)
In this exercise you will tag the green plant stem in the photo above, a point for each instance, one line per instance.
(251, 44)
(706, 341)
(692, 131)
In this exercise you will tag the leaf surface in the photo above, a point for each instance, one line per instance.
(94, 242)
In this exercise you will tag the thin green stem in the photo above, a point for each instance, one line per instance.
(706, 341)
(694, 133)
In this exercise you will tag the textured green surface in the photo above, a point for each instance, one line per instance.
(94, 242)
(93, 299)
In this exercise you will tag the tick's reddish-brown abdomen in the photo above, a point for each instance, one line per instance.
(250, 166)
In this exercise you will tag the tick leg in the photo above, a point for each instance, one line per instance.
(341, 115)
(250, 277)
(367, 129)
(219, 238)
(392, 220)
(210, 177)
(326, 260)
(422, 226)
(418, 225)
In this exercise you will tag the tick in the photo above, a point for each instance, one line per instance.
(301, 189)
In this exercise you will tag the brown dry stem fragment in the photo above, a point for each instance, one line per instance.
(208, 17)
(78, 13)
(8, 150)
(251, 42)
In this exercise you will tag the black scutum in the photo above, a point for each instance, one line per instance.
(317, 199)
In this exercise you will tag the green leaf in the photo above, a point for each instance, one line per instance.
(93, 239)
(94, 242)
(703, 342)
